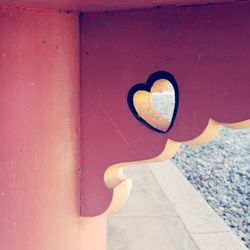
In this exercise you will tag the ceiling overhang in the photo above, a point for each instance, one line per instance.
(101, 5)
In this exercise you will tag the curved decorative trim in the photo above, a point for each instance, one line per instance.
(115, 179)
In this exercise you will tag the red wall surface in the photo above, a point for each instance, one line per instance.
(39, 132)
(100, 5)
(207, 50)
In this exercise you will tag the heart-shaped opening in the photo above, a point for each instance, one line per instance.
(155, 103)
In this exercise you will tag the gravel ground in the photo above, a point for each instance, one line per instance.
(221, 172)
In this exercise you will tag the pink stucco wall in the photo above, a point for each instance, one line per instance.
(53, 130)
(39, 131)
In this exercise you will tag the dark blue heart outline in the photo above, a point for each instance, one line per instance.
(147, 87)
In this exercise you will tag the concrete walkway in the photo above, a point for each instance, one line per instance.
(164, 212)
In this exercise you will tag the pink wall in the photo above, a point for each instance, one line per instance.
(207, 50)
(100, 5)
(39, 131)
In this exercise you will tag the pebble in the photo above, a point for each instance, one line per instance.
(221, 172)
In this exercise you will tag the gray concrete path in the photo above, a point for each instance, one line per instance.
(164, 212)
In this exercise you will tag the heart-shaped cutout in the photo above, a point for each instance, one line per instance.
(155, 103)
